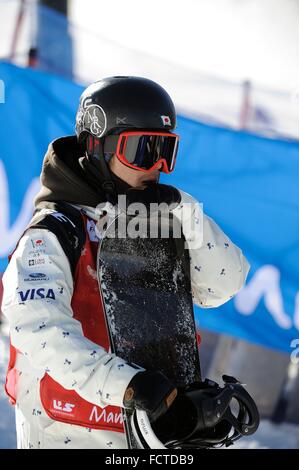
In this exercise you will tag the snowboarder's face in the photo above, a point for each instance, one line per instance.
(134, 178)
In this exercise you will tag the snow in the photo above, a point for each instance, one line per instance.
(271, 436)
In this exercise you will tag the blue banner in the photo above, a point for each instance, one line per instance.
(248, 185)
(36, 109)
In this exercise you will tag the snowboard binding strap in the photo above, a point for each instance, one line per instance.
(202, 416)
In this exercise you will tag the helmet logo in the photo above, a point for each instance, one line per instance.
(166, 120)
(94, 120)
(86, 102)
(121, 120)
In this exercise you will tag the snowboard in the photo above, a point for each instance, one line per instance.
(146, 292)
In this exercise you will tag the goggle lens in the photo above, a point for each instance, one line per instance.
(144, 151)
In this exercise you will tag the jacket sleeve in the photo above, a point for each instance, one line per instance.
(218, 267)
(38, 288)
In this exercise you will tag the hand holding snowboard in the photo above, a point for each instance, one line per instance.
(150, 391)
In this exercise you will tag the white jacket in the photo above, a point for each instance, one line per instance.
(218, 271)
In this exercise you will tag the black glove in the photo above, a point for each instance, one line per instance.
(150, 391)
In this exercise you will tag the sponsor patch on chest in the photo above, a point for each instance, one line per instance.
(33, 294)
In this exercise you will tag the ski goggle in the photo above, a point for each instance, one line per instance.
(145, 151)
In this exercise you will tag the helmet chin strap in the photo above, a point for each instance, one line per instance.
(95, 151)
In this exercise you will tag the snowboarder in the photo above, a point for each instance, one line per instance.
(67, 385)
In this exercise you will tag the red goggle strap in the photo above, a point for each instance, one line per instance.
(110, 143)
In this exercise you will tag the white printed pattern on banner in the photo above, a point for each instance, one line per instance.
(265, 284)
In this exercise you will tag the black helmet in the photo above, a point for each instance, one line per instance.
(113, 104)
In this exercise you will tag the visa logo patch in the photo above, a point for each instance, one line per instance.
(41, 293)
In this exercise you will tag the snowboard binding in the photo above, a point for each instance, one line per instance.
(204, 415)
